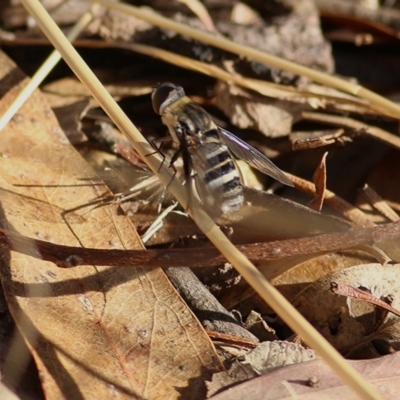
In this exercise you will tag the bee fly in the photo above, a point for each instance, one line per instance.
(207, 149)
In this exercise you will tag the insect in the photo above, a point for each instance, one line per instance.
(207, 149)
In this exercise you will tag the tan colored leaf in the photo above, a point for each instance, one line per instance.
(319, 179)
(314, 380)
(266, 357)
(69, 90)
(299, 273)
(347, 322)
(94, 332)
(274, 118)
(271, 355)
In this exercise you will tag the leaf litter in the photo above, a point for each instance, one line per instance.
(63, 209)
(95, 324)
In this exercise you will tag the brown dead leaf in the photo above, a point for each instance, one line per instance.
(299, 273)
(360, 294)
(69, 118)
(314, 380)
(266, 357)
(237, 373)
(65, 92)
(271, 355)
(296, 279)
(94, 332)
(69, 90)
(272, 117)
(348, 322)
(319, 179)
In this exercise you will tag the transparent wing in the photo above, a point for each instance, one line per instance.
(252, 156)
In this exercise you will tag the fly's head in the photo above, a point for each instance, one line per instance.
(164, 95)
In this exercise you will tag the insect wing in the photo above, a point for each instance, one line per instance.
(252, 156)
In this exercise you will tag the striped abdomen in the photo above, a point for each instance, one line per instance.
(218, 180)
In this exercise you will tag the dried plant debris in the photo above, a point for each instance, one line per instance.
(352, 324)
(303, 140)
(67, 90)
(271, 355)
(70, 118)
(315, 380)
(14, 16)
(267, 357)
(272, 117)
(205, 306)
(238, 372)
(371, 13)
(287, 29)
(81, 333)
(324, 261)
(256, 324)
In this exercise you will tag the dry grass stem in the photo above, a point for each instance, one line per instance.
(378, 203)
(46, 67)
(377, 102)
(197, 7)
(264, 88)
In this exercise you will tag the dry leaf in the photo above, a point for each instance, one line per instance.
(67, 91)
(314, 380)
(266, 357)
(296, 278)
(94, 332)
(271, 355)
(348, 322)
(256, 324)
(272, 117)
(319, 179)
(237, 373)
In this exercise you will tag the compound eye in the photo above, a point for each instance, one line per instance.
(165, 94)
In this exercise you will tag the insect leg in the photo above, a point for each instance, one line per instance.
(187, 169)
(157, 149)
(171, 165)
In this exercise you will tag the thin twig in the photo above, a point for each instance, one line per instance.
(69, 256)
(364, 129)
